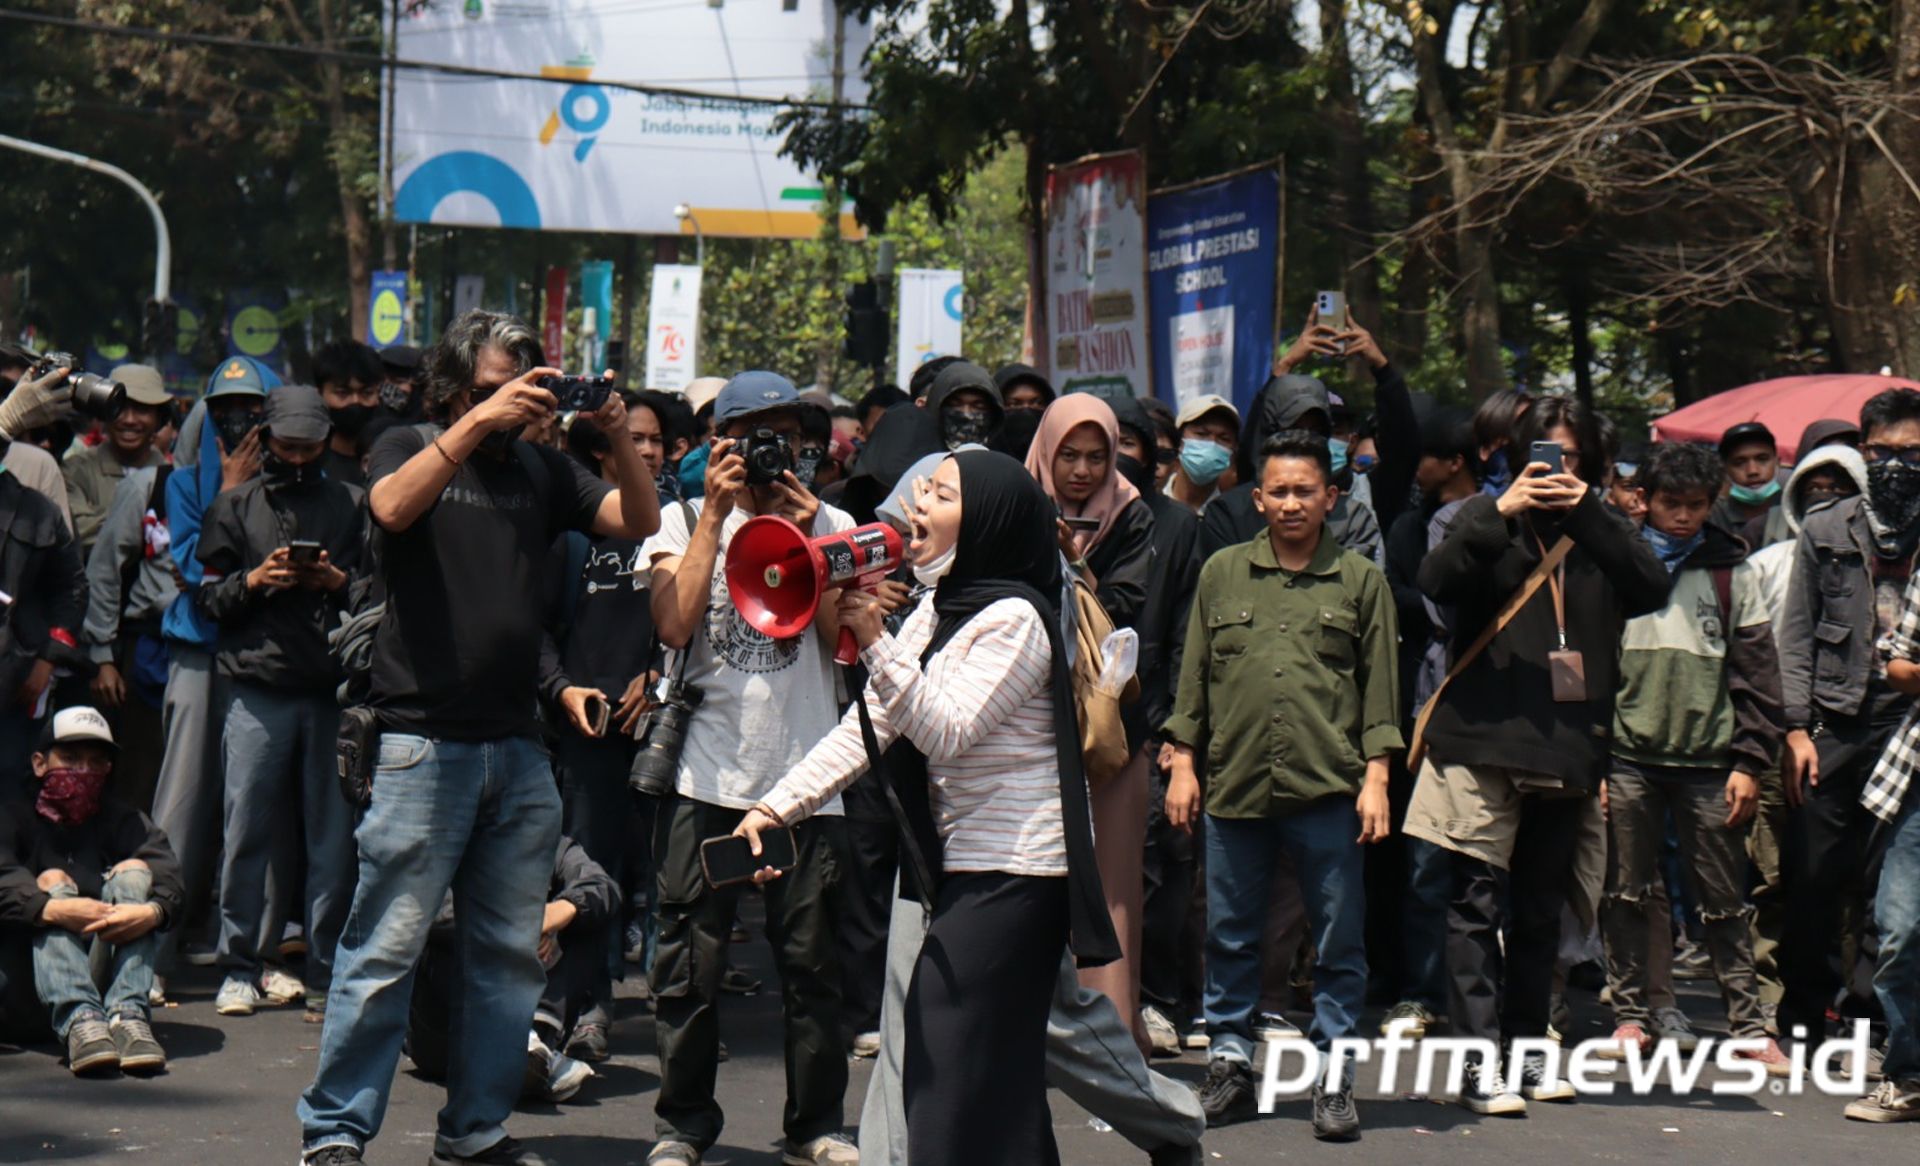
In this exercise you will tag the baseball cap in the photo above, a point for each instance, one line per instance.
(79, 723)
(1746, 433)
(143, 383)
(754, 392)
(237, 377)
(298, 413)
(1199, 407)
(701, 391)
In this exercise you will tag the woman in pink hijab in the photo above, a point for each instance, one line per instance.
(1106, 533)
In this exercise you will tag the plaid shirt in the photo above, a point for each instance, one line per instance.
(1893, 773)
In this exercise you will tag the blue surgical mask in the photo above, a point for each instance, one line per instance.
(1338, 450)
(1755, 495)
(1204, 461)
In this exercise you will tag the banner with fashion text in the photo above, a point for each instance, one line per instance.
(1096, 274)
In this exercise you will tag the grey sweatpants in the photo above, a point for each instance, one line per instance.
(1091, 1057)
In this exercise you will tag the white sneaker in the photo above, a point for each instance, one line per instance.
(1197, 1034)
(1499, 1099)
(1161, 1035)
(237, 997)
(280, 986)
(866, 1045)
(1273, 1026)
(566, 1077)
(1891, 1101)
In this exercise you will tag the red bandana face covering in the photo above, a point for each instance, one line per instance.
(69, 797)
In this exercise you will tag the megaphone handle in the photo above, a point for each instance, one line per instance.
(848, 651)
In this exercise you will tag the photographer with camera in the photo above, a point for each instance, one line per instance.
(463, 790)
(29, 399)
(750, 708)
(94, 473)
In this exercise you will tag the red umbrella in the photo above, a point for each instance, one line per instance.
(1786, 405)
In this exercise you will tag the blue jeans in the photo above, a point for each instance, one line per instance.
(1241, 855)
(481, 818)
(63, 962)
(1423, 925)
(1896, 910)
(280, 779)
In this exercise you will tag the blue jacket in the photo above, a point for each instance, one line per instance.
(189, 493)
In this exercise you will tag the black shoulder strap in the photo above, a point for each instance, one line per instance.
(1723, 591)
(157, 494)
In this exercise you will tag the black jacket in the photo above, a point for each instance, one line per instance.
(41, 572)
(1122, 565)
(30, 845)
(277, 639)
(1406, 548)
(1501, 711)
(904, 435)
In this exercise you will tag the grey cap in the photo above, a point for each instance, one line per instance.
(298, 413)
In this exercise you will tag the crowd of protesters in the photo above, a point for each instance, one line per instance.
(1433, 714)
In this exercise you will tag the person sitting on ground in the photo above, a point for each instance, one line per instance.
(92, 880)
(581, 898)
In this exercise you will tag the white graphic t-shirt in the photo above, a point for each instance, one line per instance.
(766, 701)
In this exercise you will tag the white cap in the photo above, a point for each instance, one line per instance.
(1199, 407)
(79, 723)
(702, 390)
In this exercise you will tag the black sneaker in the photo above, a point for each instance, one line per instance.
(1497, 1099)
(1335, 1119)
(738, 983)
(589, 1042)
(1533, 1081)
(1227, 1093)
(90, 1047)
(133, 1039)
(505, 1152)
(333, 1156)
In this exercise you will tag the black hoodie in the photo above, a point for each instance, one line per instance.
(904, 435)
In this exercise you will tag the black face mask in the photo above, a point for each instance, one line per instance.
(960, 427)
(806, 464)
(351, 419)
(1133, 470)
(233, 428)
(281, 474)
(1893, 494)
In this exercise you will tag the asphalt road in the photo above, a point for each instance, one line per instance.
(228, 1098)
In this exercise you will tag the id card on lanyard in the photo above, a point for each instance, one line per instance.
(1566, 668)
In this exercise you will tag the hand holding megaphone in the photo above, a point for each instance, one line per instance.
(777, 575)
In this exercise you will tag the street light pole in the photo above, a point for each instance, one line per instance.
(685, 214)
(163, 249)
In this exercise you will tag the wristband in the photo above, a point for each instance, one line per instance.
(443, 453)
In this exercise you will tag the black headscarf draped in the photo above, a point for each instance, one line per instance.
(902, 436)
(1007, 549)
(1017, 432)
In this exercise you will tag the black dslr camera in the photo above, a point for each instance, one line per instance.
(768, 455)
(93, 395)
(578, 394)
(656, 765)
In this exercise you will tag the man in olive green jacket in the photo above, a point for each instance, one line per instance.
(1288, 688)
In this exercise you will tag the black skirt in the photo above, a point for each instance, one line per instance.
(975, 1079)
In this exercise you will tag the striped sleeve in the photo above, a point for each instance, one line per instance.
(1003, 665)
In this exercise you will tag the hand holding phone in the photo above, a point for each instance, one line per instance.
(303, 552)
(1549, 454)
(729, 860)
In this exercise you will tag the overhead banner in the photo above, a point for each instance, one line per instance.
(1213, 262)
(931, 303)
(1097, 274)
(573, 154)
(387, 309)
(673, 326)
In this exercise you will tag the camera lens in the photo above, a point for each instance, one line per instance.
(96, 396)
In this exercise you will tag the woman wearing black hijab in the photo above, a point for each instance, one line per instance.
(977, 682)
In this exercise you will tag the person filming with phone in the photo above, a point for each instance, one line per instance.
(276, 554)
(761, 704)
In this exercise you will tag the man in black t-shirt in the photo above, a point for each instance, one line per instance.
(463, 792)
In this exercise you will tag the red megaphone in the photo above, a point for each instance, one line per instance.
(777, 574)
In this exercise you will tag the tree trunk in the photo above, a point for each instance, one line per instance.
(355, 226)
(1353, 193)
(1480, 307)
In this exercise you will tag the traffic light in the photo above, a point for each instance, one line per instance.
(159, 329)
(866, 342)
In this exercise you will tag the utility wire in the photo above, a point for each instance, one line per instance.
(376, 61)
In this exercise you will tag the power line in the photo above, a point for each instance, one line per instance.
(375, 61)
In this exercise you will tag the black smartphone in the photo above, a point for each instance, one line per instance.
(303, 552)
(728, 860)
(578, 394)
(1550, 453)
(1082, 523)
(598, 712)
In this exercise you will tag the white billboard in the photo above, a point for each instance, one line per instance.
(931, 305)
(573, 154)
(673, 326)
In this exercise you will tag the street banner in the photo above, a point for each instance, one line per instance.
(571, 153)
(1097, 274)
(553, 335)
(673, 326)
(1212, 267)
(931, 304)
(596, 309)
(387, 308)
(253, 326)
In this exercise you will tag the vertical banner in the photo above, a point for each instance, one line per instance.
(1097, 274)
(469, 291)
(673, 326)
(1212, 261)
(387, 309)
(931, 305)
(553, 336)
(253, 326)
(596, 303)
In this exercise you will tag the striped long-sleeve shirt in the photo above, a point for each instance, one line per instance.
(982, 712)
